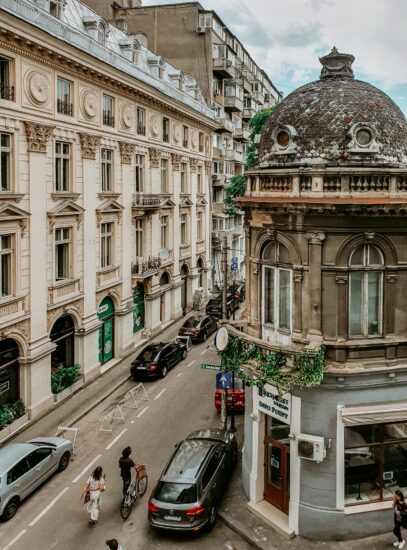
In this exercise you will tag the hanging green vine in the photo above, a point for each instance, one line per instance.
(307, 370)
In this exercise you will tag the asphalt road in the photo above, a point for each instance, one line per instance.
(54, 517)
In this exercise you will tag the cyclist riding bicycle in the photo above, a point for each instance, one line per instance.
(126, 464)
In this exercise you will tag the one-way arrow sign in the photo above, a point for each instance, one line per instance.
(223, 381)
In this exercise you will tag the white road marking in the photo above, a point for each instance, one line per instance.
(116, 439)
(142, 412)
(191, 363)
(50, 505)
(15, 539)
(86, 469)
(204, 351)
(160, 394)
(179, 374)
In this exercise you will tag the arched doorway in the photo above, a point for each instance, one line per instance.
(139, 308)
(164, 280)
(9, 371)
(106, 330)
(63, 335)
(184, 288)
(199, 265)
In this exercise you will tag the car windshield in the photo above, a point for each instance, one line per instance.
(192, 323)
(149, 354)
(176, 493)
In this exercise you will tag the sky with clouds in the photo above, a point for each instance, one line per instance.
(286, 37)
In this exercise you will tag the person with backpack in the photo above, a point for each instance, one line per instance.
(400, 518)
(95, 486)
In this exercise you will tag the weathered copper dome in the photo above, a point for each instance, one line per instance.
(334, 120)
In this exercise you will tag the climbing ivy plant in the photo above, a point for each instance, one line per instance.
(307, 370)
(237, 186)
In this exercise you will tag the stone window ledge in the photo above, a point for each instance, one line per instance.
(11, 196)
(58, 195)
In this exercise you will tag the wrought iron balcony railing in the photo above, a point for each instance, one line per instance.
(144, 267)
(6, 92)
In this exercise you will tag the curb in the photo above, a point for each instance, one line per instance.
(240, 529)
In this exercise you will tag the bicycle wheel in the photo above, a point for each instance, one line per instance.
(142, 484)
(126, 506)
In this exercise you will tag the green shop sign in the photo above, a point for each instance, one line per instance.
(106, 336)
(138, 311)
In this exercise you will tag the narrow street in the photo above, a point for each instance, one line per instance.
(178, 404)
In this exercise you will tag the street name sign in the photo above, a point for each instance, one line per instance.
(209, 366)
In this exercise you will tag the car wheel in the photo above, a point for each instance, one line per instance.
(164, 372)
(11, 509)
(184, 354)
(211, 520)
(204, 336)
(63, 463)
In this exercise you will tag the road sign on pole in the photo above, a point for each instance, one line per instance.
(210, 367)
(223, 381)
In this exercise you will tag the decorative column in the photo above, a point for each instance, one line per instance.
(341, 280)
(315, 238)
(297, 304)
(254, 295)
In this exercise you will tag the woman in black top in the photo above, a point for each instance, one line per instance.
(125, 465)
(400, 507)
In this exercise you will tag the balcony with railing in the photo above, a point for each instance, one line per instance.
(223, 62)
(242, 134)
(224, 124)
(64, 108)
(145, 267)
(248, 113)
(258, 97)
(108, 118)
(146, 201)
(6, 92)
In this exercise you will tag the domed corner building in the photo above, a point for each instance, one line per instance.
(326, 229)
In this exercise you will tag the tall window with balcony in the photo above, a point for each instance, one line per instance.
(277, 287)
(366, 268)
(106, 245)
(164, 175)
(139, 227)
(141, 121)
(184, 228)
(184, 177)
(62, 253)
(199, 180)
(64, 97)
(185, 136)
(166, 130)
(106, 168)
(6, 258)
(6, 89)
(199, 225)
(5, 162)
(139, 173)
(164, 232)
(108, 110)
(201, 142)
(62, 166)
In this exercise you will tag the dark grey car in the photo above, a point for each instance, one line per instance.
(193, 482)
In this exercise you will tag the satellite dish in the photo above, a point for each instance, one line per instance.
(221, 339)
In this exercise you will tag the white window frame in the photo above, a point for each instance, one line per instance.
(184, 187)
(166, 125)
(6, 156)
(275, 324)
(183, 221)
(164, 175)
(199, 225)
(139, 237)
(164, 235)
(139, 173)
(64, 160)
(65, 240)
(106, 244)
(141, 120)
(9, 252)
(106, 170)
(63, 104)
(108, 101)
(199, 180)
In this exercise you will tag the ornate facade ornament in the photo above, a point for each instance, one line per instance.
(176, 161)
(315, 237)
(341, 279)
(126, 116)
(89, 144)
(37, 87)
(369, 236)
(271, 234)
(193, 164)
(208, 166)
(155, 156)
(38, 136)
(126, 151)
(89, 104)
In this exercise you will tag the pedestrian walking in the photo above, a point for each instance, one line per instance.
(113, 544)
(400, 518)
(95, 486)
(126, 464)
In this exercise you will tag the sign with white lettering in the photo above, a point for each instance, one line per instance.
(275, 405)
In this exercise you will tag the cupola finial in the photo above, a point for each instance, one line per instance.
(337, 65)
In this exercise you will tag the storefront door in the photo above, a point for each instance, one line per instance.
(138, 311)
(106, 330)
(277, 464)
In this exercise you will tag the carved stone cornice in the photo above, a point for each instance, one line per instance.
(155, 156)
(341, 279)
(38, 136)
(315, 237)
(176, 161)
(126, 151)
(208, 166)
(193, 163)
(89, 144)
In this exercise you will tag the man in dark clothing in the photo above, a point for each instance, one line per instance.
(125, 465)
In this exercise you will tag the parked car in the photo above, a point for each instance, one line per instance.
(239, 290)
(198, 327)
(239, 396)
(193, 482)
(157, 359)
(25, 466)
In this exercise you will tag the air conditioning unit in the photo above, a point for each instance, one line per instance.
(200, 30)
(311, 447)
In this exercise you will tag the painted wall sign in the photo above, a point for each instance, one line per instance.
(277, 406)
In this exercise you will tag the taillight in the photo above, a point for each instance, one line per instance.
(152, 507)
(195, 511)
(196, 331)
(154, 366)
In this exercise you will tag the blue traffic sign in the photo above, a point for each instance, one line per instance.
(235, 264)
(223, 381)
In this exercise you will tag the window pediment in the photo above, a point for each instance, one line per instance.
(110, 206)
(11, 213)
(201, 202)
(66, 208)
(186, 202)
(167, 203)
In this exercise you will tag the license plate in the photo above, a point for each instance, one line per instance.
(172, 518)
(141, 368)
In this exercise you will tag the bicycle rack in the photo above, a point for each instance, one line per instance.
(106, 420)
(136, 395)
(61, 430)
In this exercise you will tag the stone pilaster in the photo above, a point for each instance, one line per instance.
(315, 238)
(126, 151)
(38, 136)
(89, 144)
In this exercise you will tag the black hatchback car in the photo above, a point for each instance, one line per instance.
(193, 482)
(198, 327)
(157, 359)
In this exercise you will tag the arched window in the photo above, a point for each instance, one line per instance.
(164, 279)
(9, 371)
(101, 33)
(277, 286)
(63, 335)
(366, 267)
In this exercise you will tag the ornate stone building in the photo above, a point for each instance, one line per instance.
(326, 235)
(104, 207)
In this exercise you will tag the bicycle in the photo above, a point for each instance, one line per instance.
(136, 489)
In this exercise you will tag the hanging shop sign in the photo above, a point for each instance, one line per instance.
(275, 405)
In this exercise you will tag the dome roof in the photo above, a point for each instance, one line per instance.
(334, 120)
